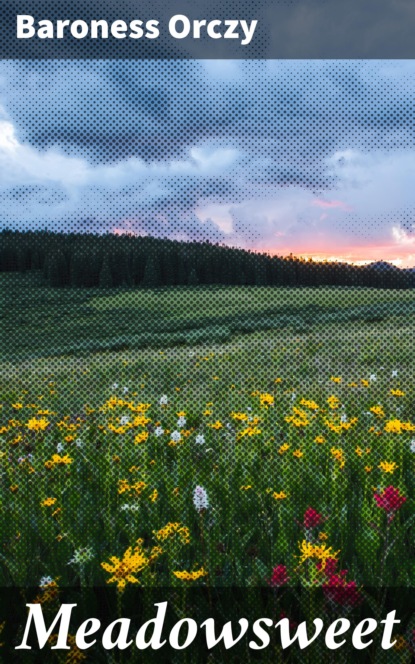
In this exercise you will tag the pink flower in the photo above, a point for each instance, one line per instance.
(312, 518)
(342, 592)
(389, 500)
(279, 576)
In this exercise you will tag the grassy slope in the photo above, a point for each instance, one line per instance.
(39, 321)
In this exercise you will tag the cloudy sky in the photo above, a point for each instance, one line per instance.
(309, 157)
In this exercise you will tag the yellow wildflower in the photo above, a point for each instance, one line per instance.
(397, 393)
(36, 424)
(141, 437)
(216, 425)
(190, 576)
(48, 502)
(318, 552)
(171, 530)
(388, 466)
(279, 496)
(125, 569)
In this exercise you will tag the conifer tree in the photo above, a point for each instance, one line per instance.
(105, 275)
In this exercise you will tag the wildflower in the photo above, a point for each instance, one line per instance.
(320, 552)
(279, 576)
(319, 439)
(59, 448)
(64, 460)
(164, 400)
(388, 466)
(312, 518)
(190, 576)
(240, 417)
(45, 581)
(338, 454)
(175, 436)
(266, 399)
(279, 496)
(79, 442)
(394, 373)
(246, 487)
(17, 406)
(200, 498)
(342, 592)
(396, 426)
(378, 411)
(216, 425)
(173, 531)
(125, 569)
(312, 405)
(124, 420)
(154, 495)
(397, 393)
(368, 469)
(283, 448)
(48, 502)
(200, 439)
(114, 386)
(412, 446)
(298, 454)
(336, 379)
(81, 556)
(322, 536)
(181, 422)
(390, 500)
(333, 402)
(372, 378)
(365, 383)
(37, 424)
(158, 431)
(141, 437)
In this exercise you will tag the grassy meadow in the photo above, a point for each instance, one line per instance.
(214, 436)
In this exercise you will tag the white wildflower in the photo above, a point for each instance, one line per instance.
(79, 442)
(200, 439)
(164, 400)
(200, 498)
(372, 377)
(81, 556)
(45, 581)
(114, 386)
(59, 448)
(124, 420)
(412, 445)
(176, 436)
(343, 417)
(125, 390)
(181, 422)
(394, 373)
(158, 431)
(293, 397)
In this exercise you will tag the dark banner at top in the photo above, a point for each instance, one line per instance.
(239, 29)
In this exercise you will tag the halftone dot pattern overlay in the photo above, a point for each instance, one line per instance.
(207, 368)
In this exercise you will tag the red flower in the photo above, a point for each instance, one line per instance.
(342, 592)
(279, 576)
(389, 500)
(329, 567)
(312, 518)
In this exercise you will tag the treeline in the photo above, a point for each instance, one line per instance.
(105, 261)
